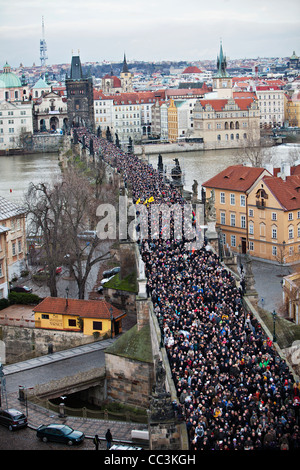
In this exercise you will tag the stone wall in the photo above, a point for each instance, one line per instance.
(46, 142)
(128, 381)
(26, 343)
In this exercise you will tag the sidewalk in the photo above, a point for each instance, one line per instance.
(37, 415)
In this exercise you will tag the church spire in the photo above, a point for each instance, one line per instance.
(125, 66)
(221, 63)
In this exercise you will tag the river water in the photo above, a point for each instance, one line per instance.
(18, 171)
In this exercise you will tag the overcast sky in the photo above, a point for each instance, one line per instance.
(152, 30)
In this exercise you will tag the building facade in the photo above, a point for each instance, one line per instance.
(4, 280)
(271, 105)
(12, 218)
(87, 316)
(16, 124)
(50, 113)
(232, 188)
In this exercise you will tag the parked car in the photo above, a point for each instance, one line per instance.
(13, 419)
(59, 433)
(100, 290)
(111, 272)
(25, 289)
(106, 279)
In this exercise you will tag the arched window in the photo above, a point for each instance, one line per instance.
(237, 125)
(219, 137)
(231, 125)
(226, 125)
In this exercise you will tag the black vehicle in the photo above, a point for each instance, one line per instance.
(25, 289)
(59, 433)
(111, 272)
(13, 419)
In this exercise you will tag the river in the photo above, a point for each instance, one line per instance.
(18, 171)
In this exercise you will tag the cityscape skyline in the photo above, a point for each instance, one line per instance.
(166, 30)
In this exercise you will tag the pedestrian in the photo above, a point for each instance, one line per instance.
(96, 441)
(108, 438)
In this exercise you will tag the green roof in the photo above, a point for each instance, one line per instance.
(9, 79)
(133, 344)
(41, 84)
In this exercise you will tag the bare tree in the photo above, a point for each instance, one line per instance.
(45, 210)
(58, 214)
(254, 151)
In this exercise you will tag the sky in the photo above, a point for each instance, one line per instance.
(153, 30)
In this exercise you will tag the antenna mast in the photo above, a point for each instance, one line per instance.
(43, 46)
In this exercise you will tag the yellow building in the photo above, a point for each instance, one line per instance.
(87, 316)
(292, 109)
(274, 219)
(232, 187)
(12, 217)
(172, 122)
(258, 212)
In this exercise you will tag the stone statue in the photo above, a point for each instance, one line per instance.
(161, 408)
(195, 189)
(210, 208)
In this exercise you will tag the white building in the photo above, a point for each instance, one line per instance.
(15, 124)
(271, 105)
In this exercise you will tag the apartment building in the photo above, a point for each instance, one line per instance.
(15, 123)
(4, 283)
(274, 218)
(180, 119)
(232, 188)
(271, 105)
(292, 109)
(259, 212)
(12, 222)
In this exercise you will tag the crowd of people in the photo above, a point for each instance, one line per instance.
(234, 390)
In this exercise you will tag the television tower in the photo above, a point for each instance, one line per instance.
(43, 46)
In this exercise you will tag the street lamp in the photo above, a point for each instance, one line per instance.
(274, 321)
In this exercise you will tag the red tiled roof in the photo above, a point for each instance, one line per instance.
(83, 308)
(235, 178)
(192, 69)
(219, 104)
(286, 192)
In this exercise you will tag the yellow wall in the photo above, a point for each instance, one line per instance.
(172, 122)
(61, 322)
(227, 208)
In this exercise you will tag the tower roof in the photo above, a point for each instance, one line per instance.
(125, 66)
(221, 64)
(76, 70)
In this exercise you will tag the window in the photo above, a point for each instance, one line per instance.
(251, 212)
(274, 250)
(243, 221)
(233, 240)
(45, 316)
(291, 232)
(274, 232)
(251, 228)
(14, 249)
(243, 200)
(97, 325)
(1, 272)
(290, 216)
(19, 246)
(251, 246)
(222, 198)
(232, 199)
(222, 218)
(232, 220)
(274, 216)
(72, 322)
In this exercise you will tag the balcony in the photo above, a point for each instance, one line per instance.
(261, 204)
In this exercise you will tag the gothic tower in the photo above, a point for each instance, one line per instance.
(80, 99)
